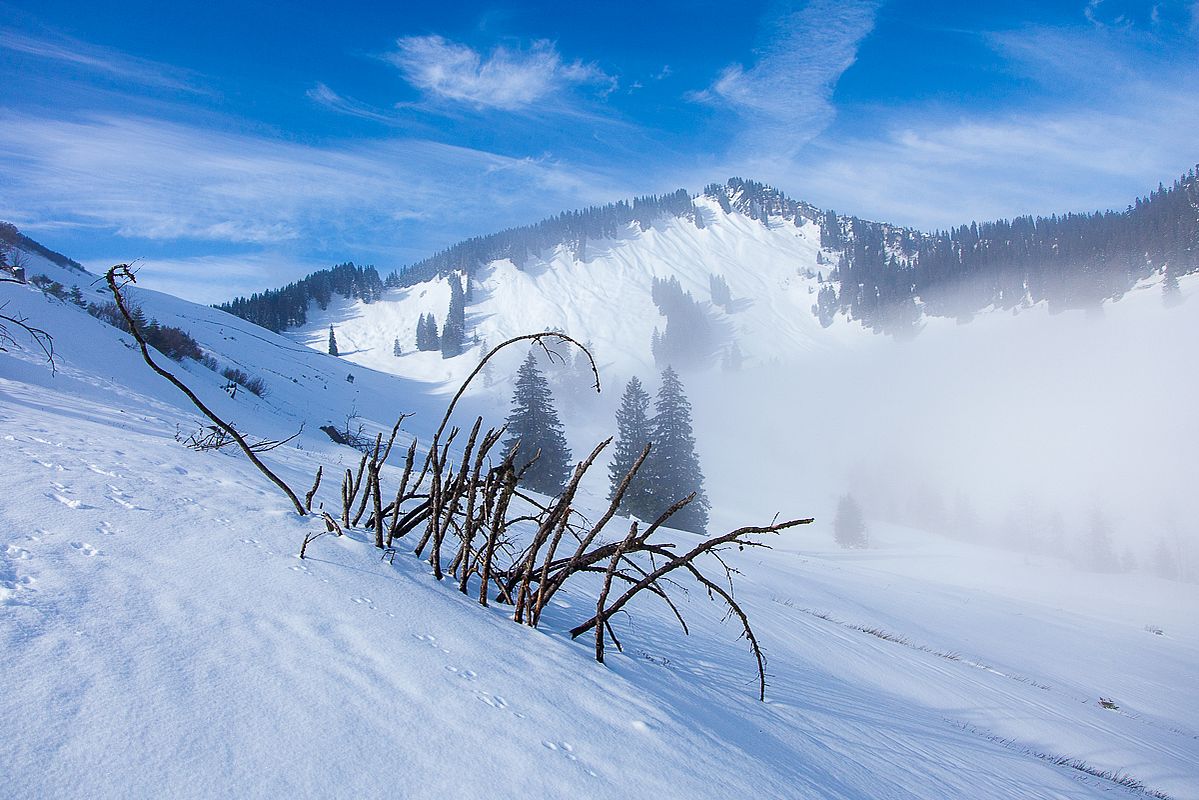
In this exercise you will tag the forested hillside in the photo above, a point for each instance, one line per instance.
(885, 276)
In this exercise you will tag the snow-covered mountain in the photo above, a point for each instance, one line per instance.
(604, 296)
(159, 637)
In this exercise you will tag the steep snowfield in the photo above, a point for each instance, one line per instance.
(159, 638)
(605, 298)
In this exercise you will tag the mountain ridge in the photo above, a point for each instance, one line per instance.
(885, 276)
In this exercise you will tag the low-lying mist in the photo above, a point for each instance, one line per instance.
(1041, 433)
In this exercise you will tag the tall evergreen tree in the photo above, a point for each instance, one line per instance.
(453, 333)
(426, 333)
(849, 527)
(1165, 564)
(396, 350)
(1098, 544)
(420, 333)
(534, 428)
(332, 343)
(673, 465)
(632, 434)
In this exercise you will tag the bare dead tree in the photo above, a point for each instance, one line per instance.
(519, 550)
(489, 516)
(209, 437)
(20, 322)
(123, 273)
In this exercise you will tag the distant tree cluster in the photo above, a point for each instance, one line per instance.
(280, 309)
(427, 337)
(572, 228)
(885, 276)
(670, 473)
(721, 294)
(761, 202)
(1075, 261)
(689, 337)
(174, 343)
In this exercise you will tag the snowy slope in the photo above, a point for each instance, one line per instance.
(605, 299)
(158, 636)
(1015, 406)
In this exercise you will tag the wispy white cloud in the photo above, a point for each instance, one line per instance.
(506, 79)
(214, 278)
(1113, 112)
(934, 172)
(323, 95)
(784, 99)
(1126, 15)
(392, 201)
(102, 60)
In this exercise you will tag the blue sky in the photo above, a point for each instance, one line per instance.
(237, 146)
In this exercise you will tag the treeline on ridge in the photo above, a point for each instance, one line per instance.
(885, 276)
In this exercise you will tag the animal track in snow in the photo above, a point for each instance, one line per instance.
(68, 502)
(118, 496)
(566, 749)
(432, 640)
(493, 700)
(18, 553)
(465, 674)
(85, 549)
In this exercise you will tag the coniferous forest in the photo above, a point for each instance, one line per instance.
(885, 276)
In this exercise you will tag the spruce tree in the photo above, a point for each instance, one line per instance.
(453, 333)
(535, 430)
(396, 350)
(673, 465)
(849, 528)
(432, 340)
(1098, 543)
(632, 434)
(332, 343)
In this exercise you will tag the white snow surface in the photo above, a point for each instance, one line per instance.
(605, 299)
(160, 638)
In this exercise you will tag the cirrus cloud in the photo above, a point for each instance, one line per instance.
(506, 79)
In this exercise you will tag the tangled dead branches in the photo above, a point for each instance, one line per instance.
(20, 322)
(467, 515)
(463, 510)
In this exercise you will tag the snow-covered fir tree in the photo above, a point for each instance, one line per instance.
(396, 350)
(673, 465)
(534, 428)
(1098, 545)
(426, 333)
(632, 434)
(453, 333)
(849, 527)
(332, 343)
